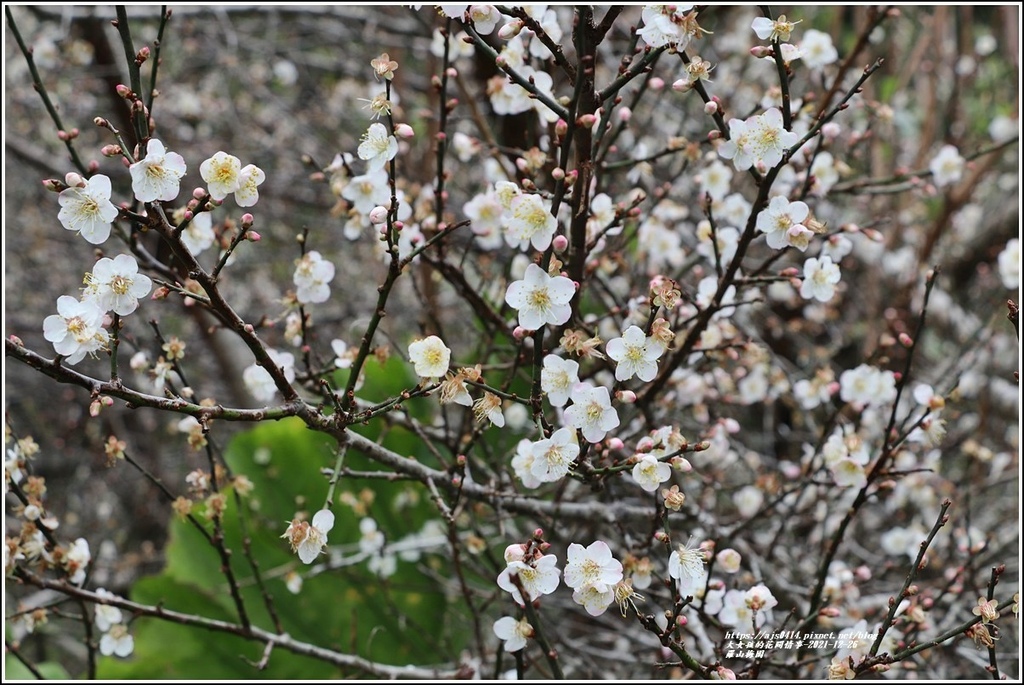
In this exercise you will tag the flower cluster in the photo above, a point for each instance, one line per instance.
(224, 175)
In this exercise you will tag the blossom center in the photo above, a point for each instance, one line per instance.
(120, 285)
(539, 298)
(78, 328)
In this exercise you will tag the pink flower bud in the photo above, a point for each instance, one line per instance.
(74, 180)
(511, 29)
(626, 396)
(831, 130)
(94, 408)
(144, 53)
(452, 72)
(560, 243)
(73, 133)
(199, 193)
(615, 444)
(586, 120)
(661, 536)
(123, 90)
(63, 135)
(862, 573)
(761, 166)
(160, 293)
(681, 465)
(571, 177)
(188, 215)
(656, 83)
(830, 612)
(761, 51)
(681, 85)
(378, 215)
(404, 131)
(711, 107)
(681, 620)
(521, 164)
(625, 114)
(906, 340)
(253, 237)
(248, 328)
(441, 136)
(561, 127)
(93, 166)
(399, 225)
(110, 150)
(714, 134)
(247, 219)
(519, 333)
(53, 185)
(558, 173)
(538, 534)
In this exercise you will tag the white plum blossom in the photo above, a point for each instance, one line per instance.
(552, 457)
(485, 213)
(117, 642)
(377, 147)
(748, 500)
(761, 138)
(820, 278)
(430, 357)
(198, 234)
(591, 566)
(602, 215)
(540, 299)
(247, 194)
(686, 565)
(649, 473)
(728, 561)
(484, 18)
(867, 385)
(312, 277)
(817, 50)
(76, 561)
(557, 378)
(714, 181)
(258, 380)
(158, 175)
(75, 330)
(1009, 264)
(512, 632)
(847, 473)
(773, 30)
(664, 25)
(635, 354)
(309, 539)
(540, 577)
(105, 615)
(778, 218)
(116, 284)
(221, 174)
(530, 222)
(594, 599)
(947, 166)
(88, 210)
(522, 464)
(825, 173)
(591, 412)
(367, 191)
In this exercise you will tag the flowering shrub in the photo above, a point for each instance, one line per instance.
(696, 313)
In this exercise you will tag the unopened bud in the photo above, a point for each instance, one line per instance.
(111, 150)
(558, 173)
(511, 29)
(63, 135)
(906, 340)
(74, 180)
(615, 443)
(94, 408)
(538, 534)
(160, 293)
(378, 215)
(682, 85)
(399, 225)
(405, 131)
(247, 220)
(519, 333)
(570, 178)
(656, 83)
(54, 185)
(143, 54)
(681, 465)
(625, 114)
(761, 51)
(123, 90)
(830, 612)
(714, 135)
(711, 107)
(561, 127)
(586, 120)
(560, 243)
(661, 536)
(93, 166)
(188, 215)
(253, 237)
(626, 396)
